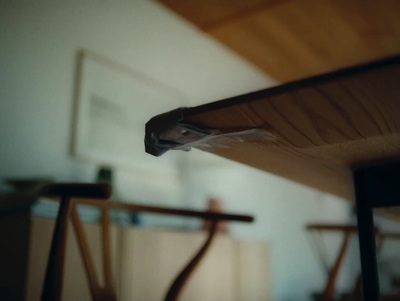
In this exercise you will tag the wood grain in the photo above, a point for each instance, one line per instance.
(297, 39)
(346, 107)
(209, 14)
(324, 126)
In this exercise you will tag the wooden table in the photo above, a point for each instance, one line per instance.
(338, 132)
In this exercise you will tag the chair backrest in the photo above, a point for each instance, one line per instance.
(52, 289)
(98, 292)
(84, 194)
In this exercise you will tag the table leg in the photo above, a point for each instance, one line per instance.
(366, 235)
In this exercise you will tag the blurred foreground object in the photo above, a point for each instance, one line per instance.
(87, 194)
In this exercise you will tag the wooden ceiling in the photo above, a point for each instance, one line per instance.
(293, 39)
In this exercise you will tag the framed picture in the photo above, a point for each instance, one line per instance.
(113, 103)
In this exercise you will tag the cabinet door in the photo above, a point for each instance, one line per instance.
(254, 271)
(152, 260)
(146, 262)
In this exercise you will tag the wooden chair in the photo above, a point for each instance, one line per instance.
(347, 231)
(55, 266)
(89, 194)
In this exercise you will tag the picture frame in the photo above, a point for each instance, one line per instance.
(112, 104)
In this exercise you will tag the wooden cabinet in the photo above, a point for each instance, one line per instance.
(147, 261)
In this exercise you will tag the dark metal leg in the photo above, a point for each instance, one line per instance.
(366, 234)
(53, 282)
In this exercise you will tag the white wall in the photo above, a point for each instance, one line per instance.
(282, 209)
(38, 43)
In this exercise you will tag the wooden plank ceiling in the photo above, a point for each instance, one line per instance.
(293, 39)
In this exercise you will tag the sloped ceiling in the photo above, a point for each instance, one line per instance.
(295, 39)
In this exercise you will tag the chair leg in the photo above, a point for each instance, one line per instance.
(55, 266)
(179, 282)
(98, 292)
(334, 272)
(52, 289)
